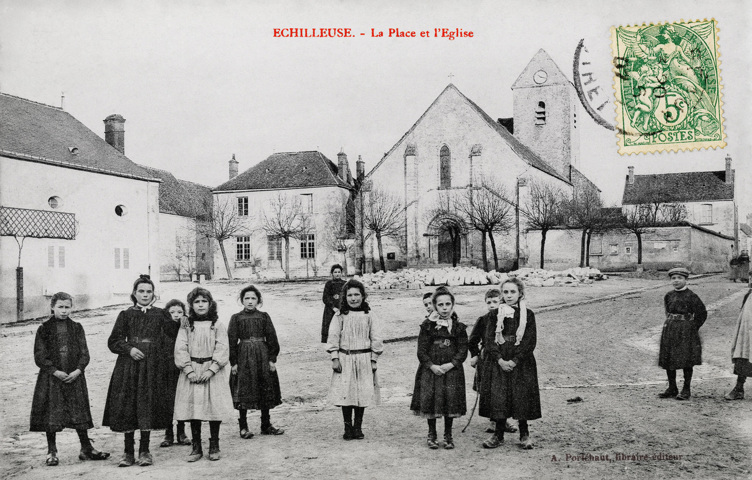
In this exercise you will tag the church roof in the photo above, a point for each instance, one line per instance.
(517, 147)
(42, 133)
(287, 170)
(180, 197)
(679, 187)
(541, 61)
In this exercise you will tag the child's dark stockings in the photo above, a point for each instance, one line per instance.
(51, 445)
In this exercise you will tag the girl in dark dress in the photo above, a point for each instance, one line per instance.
(61, 399)
(741, 350)
(332, 291)
(176, 309)
(680, 339)
(509, 376)
(253, 356)
(440, 382)
(475, 346)
(139, 379)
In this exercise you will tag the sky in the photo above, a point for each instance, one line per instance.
(199, 81)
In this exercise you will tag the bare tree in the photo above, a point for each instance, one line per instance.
(223, 223)
(339, 226)
(384, 216)
(652, 210)
(181, 258)
(445, 216)
(583, 212)
(285, 218)
(488, 211)
(544, 210)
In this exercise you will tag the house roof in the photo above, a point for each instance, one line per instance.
(517, 147)
(180, 197)
(287, 170)
(42, 133)
(678, 187)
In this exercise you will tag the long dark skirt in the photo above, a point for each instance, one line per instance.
(680, 345)
(136, 396)
(57, 405)
(512, 394)
(255, 386)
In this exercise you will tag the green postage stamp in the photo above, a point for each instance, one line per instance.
(667, 87)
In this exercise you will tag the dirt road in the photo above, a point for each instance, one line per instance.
(603, 352)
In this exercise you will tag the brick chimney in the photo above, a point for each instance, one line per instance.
(233, 167)
(360, 168)
(343, 169)
(630, 176)
(114, 132)
(729, 172)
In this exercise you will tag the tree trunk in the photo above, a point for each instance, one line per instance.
(381, 252)
(639, 248)
(287, 258)
(19, 294)
(543, 245)
(493, 249)
(483, 250)
(587, 249)
(224, 257)
(582, 247)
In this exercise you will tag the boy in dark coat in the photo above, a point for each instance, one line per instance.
(680, 339)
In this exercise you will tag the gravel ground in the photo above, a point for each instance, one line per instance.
(604, 352)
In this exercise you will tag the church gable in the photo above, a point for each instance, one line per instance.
(542, 70)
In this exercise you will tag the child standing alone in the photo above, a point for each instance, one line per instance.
(61, 399)
(253, 356)
(354, 344)
(203, 391)
(440, 382)
(509, 375)
(680, 338)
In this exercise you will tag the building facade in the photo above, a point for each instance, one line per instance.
(301, 191)
(87, 216)
(455, 147)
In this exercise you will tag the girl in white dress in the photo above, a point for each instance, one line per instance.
(354, 344)
(203, 391)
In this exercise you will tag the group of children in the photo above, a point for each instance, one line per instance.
(172, 365)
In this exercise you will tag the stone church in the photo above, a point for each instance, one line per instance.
(455, 146)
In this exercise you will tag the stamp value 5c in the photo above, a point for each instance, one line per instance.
(667, 87)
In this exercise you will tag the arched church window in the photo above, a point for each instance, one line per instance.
(445, 168)
(540, 114)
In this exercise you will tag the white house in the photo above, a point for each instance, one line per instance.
(304, 184)
(86, 214)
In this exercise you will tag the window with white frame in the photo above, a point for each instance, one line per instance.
(56, 256)
(242, 249)
(274, 247)
(307, 246)
(706, 213)
(307, 202)
(628, 249)
(242, 206)
(122, 258)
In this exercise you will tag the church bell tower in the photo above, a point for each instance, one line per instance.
(545, 113)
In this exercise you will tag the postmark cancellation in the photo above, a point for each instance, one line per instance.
(667, 85)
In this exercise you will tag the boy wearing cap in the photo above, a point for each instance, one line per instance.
(680, 340)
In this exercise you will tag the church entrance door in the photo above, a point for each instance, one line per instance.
(449, 245)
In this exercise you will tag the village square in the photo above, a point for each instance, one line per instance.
(466, 196)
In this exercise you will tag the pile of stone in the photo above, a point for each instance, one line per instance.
(411, 278)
